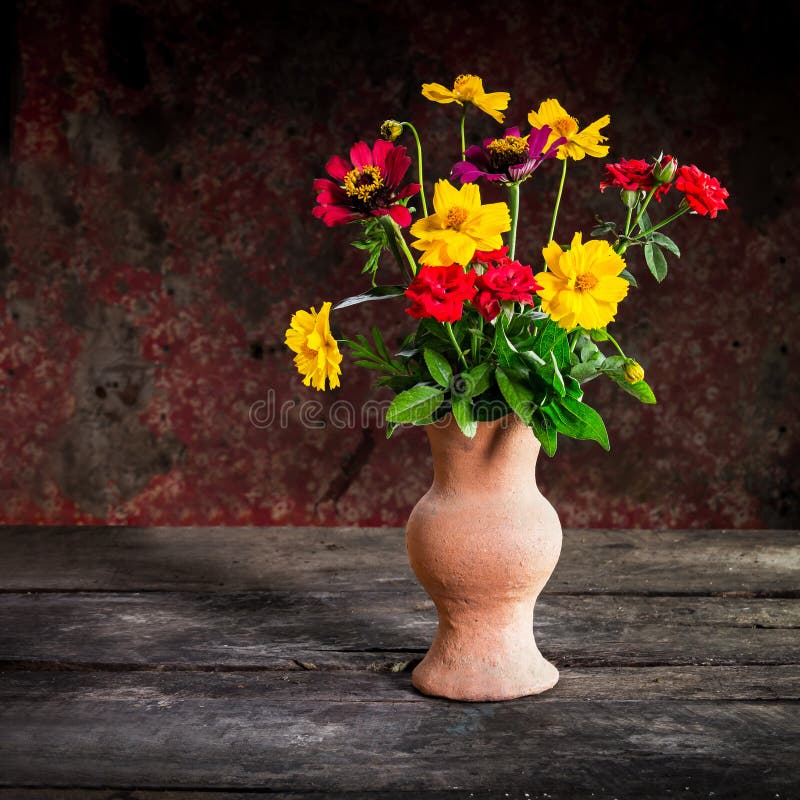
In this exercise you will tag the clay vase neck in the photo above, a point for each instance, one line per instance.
(483, 542)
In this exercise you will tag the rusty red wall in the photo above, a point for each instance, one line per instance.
(157, 234)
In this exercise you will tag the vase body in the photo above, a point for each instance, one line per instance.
(483, 542)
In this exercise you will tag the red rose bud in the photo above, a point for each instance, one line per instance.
(665, 168)
(440, 292)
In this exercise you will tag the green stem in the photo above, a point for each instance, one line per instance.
(558, 201)
(646, 203)
(628, 221)
(404, 247)
(475, 340)
(419, 166)
(463, 140)
(455, 344)
(679, 213)
(513, 196)
(616, 344)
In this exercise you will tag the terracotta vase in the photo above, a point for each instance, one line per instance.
(483, 542)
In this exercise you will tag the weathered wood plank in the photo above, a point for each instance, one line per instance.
(765, 563)
(276, 630)
(168, 689)
(535, 744)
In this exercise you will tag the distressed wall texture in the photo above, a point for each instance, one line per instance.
(155, 194)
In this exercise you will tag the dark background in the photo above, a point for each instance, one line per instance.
(156, 162)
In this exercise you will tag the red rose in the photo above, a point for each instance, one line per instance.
(440, 292)
(505, 280)
(703, 193)
(633, 174)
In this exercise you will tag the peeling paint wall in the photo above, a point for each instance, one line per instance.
(156, 234)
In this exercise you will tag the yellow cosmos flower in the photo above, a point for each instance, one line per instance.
(582, 286)
(579, 143)
(469, 89)
(459, 226)
(318, 356)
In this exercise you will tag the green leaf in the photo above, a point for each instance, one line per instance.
(552, 374)
(640, 390)
(505, 351)
(475, 381)
(551, 335)
(584, 372)
(590, 422)
(629, 277)
(644, 222)
(665, 242)
(545, 431)
(380, 345)
(439, 367)
(462, 411)
(415, 404)
(655, 261)
(517, 395)
(603, 228)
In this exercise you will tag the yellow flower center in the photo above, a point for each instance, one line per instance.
(508, 151)
(566, 126)
(585, 282)
(455, 216)
(363, 182)
(460, 84)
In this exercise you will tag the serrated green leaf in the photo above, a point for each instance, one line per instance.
(517, 395)
(655, 261)
(644, 223)
(665, 242)
(415, 404)
(462, 412)
(438, 366)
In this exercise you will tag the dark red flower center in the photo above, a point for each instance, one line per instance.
(363, 183)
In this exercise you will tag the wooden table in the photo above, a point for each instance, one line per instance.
(144, 663)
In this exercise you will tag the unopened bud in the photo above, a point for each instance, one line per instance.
(664, 169)
(633, 371)
(391, 129)
(630, 197)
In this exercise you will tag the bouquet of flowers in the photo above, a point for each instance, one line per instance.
(495, 334)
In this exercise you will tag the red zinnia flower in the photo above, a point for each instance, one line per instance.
(440, 292)
(703, 193)
(635, 175)
(367, 187)
(504, 280)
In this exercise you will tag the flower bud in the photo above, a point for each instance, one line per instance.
(630, 197)
(391, 129)
(633, 371)
(664, 169)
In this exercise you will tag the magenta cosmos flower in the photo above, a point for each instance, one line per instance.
(509, 159)
(366, 186)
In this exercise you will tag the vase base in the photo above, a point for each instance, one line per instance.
(472, 684)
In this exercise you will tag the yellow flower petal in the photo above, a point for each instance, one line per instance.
(438, 93)
(318, 357)
(582, 287)
(580, 143)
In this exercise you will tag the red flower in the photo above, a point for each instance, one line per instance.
(634, 174)
(504, 280)
(369, 187)
(703, 193)
(440, 292)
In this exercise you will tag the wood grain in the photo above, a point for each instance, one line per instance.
(762, 563)
(275, 630)
(130, 735)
